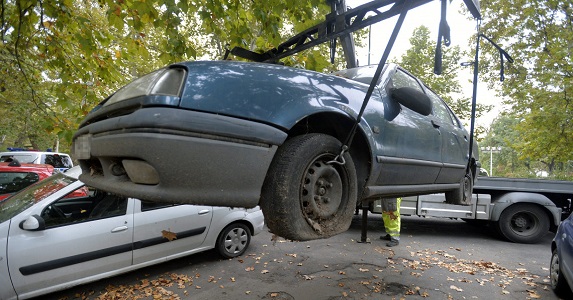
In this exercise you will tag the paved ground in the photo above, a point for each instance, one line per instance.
(437, 259)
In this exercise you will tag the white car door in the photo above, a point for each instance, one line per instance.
(6, 289)
(168, 231)
(69, 251)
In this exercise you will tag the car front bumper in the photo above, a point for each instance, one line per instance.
(173, 155)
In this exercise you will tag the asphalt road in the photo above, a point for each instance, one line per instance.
(436, 259)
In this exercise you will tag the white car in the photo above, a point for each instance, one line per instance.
(60, 161)
(60, 233)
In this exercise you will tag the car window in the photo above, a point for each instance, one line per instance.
(58, 161)
(402, 79)
(146, 205)
(440, 109)
(11, 182)
(83, 205)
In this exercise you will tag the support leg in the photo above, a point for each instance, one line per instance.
(364, 227)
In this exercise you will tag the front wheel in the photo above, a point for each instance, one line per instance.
(523, 223)
(234, 240)
(307, 195)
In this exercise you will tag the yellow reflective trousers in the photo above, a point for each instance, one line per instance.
(392, 218)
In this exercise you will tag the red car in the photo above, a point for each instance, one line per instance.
(15, 176)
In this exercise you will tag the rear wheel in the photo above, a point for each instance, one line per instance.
(306, 195)
(523, 223)
(463, 194)
(234, 240)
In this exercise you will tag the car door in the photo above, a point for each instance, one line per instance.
(74, 245)
(455, 141)
(566, 237)
(164, 230)
(409, 144)
(6, 289)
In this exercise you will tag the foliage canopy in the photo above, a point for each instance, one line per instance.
(60, 57)
(539, 85)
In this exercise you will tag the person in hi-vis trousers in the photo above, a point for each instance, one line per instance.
(391, 217)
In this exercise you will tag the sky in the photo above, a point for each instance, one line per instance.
(461, 29)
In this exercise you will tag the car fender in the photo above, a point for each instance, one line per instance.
(505, 200)
(221, 219)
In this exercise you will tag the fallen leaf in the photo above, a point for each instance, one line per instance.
(169, 235)
(455, 288)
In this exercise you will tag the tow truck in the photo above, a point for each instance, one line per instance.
(520, 210)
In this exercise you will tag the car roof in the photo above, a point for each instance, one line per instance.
(31, 152)
(5, 167)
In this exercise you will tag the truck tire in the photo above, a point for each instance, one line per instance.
(523, 223)
(305, 196)
(463, 194)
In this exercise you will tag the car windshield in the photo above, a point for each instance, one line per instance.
(22, 158)
(33, 194)
(360, 74)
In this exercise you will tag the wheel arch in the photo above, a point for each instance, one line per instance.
(514, 198)
(339, 126)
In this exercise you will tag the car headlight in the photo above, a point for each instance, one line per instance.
(167, 82)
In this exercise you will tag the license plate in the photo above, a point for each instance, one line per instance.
(82, 147)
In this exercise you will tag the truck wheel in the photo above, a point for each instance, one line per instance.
(463, 194)
(523, 223)
(305, 196)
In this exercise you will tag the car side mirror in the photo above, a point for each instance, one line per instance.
(413, 99)
(33, 223)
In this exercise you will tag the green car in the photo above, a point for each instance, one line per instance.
(245, 134)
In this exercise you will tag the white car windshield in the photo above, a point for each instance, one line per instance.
(33, 194)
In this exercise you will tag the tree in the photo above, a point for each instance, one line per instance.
(419, 60)
(60, 58)
(539, 85)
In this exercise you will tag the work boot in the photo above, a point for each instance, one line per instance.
(392, 243)
(386, 237)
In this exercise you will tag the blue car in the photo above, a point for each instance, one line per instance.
(239, 134)
(561, 268)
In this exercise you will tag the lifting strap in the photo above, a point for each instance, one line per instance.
(443, 32)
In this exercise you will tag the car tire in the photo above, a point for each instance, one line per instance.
(463, 194)
(234, 240)
(306, 196)
(523, 223)
(558, 282)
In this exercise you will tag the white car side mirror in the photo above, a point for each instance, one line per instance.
(33, 223)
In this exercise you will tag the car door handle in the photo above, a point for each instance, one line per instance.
(203, 212)
(435, 124)
(119, 229)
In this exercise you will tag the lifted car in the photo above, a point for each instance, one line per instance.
(245, 134)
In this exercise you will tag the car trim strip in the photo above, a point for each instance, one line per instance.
(81, 258)
(159, 240)
(407, 161)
